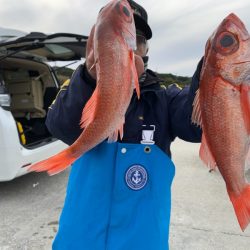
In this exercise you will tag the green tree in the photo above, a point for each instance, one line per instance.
(169, 79)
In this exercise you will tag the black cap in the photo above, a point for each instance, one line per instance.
(141, 19)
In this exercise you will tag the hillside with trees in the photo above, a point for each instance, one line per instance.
(171, 78)
(168, 78)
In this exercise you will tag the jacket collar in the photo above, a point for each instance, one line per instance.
(149, 78)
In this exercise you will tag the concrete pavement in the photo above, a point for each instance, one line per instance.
(202, 215)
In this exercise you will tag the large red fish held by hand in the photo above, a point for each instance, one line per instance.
(112, 42)
(222, 108)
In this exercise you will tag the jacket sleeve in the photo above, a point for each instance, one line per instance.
(64, 114)
(181, 107)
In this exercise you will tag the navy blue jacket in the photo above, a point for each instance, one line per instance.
(169, 109)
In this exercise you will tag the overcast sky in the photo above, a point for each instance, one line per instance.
(180, 27)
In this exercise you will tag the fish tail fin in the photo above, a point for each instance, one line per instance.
(241, 204)
(54, 164)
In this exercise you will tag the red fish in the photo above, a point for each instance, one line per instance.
(222, 108)
(112, 42)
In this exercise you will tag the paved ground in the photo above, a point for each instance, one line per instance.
(202, 216)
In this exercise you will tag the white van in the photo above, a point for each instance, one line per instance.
(28, 85)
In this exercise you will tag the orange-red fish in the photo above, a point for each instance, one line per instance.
(222, 108)
(112, 42)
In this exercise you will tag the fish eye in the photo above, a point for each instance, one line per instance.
(226, 43)
(122, 9)
(126, 11)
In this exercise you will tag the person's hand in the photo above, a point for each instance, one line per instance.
(90, 60)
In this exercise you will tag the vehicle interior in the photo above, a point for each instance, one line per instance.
(32, 88)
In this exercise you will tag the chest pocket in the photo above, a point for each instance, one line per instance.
(159, 168)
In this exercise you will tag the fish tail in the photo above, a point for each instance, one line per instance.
(54, 164)
(241, 204)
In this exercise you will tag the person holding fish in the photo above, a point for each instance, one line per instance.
(119, 190)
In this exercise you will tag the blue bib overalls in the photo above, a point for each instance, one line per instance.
(118, 198)
(118, 195)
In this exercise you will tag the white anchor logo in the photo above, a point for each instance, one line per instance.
(136, 177)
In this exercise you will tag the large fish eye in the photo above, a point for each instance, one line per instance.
(126, 11)
(226, 43)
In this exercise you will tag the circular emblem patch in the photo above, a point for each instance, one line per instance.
(136, 177)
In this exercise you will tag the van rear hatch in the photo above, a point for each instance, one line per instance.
(47, 48)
